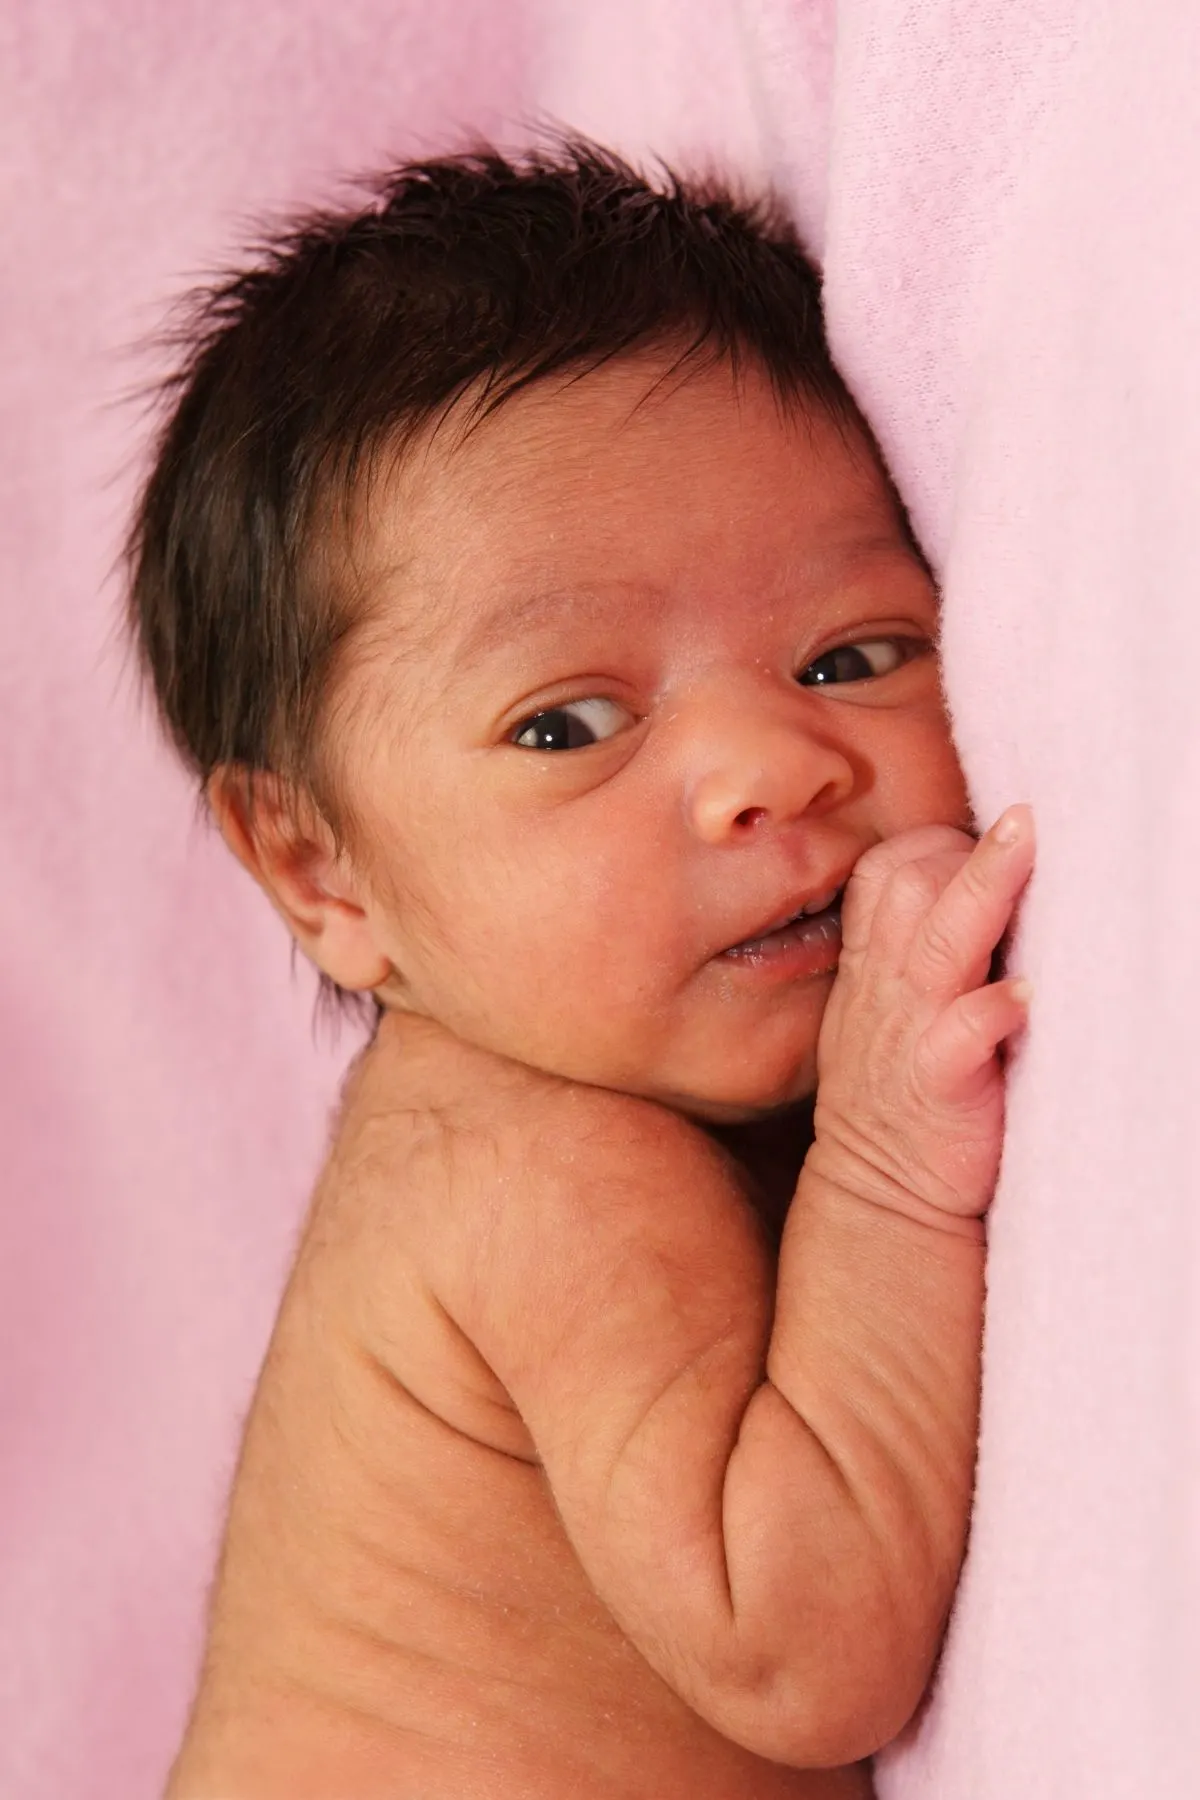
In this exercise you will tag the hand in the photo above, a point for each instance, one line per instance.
(910, 1096)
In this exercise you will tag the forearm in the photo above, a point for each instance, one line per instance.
(847, 1494)
(780, 1529)
(775, 1517)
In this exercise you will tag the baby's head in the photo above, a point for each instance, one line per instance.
(522, 585)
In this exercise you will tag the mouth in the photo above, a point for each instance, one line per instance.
(808, 939)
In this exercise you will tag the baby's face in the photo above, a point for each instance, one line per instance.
(649, 669)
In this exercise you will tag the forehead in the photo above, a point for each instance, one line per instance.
(635, 477)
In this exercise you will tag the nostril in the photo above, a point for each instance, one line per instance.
(749, 817)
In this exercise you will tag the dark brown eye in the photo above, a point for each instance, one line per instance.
(571, 727)
(857, 662)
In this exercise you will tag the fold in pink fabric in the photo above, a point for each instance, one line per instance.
(1004, 198)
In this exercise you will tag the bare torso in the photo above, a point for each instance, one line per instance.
(398, 1601)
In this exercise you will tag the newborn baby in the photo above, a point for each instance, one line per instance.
(520, 581)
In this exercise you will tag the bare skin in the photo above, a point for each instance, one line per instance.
(400, 1614)
(537, 1498)
(575, 1468)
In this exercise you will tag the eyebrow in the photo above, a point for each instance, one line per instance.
(529, 613)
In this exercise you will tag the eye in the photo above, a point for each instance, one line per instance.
(858, 662)
(571, 727)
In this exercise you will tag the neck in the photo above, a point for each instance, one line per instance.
(771, 1151)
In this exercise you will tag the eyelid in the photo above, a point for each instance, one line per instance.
(583, 705)
(914, 643)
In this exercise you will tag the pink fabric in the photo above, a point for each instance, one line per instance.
(163, 1103)
(1006, 198)
(1007, 201)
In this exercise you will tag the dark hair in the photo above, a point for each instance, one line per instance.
(466, 277)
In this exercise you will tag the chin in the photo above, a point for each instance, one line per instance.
(747, 1099)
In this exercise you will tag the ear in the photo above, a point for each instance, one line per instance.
(280, 837)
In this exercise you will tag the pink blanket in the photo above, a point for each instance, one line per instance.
(1005, 198)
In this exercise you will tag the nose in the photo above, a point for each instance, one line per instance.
(759, 759)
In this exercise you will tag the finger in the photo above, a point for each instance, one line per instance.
(878, 869)
(911, 895)
(954, 1057)
(952, 950)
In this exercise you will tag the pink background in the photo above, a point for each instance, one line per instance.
(1006, 199)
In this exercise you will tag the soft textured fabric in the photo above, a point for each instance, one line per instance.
(1005, 199)
(163, 1101)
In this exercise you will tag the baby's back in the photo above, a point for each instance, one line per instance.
(398, 1611)
(418, 1583)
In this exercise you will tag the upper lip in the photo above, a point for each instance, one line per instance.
(814, 899)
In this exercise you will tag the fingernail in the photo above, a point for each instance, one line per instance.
(1008, 826)
(1022, 991)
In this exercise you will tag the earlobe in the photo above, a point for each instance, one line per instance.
(281, 839)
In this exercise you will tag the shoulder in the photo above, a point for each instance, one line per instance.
(513, 1198)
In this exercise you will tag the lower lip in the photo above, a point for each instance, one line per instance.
(807, 947)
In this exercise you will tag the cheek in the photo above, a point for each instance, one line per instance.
(556, 913)
(494, 895)
(548, 949)
(923, 774)
(916, 778)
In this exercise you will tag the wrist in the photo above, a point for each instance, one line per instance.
(896, 1183)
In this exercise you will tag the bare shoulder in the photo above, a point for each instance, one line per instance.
(473, 1211)
(436, 1133)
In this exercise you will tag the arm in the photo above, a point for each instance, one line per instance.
(773, 1508)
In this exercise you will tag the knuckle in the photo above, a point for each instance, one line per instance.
(971, 1019)
(961, 1038)
(876, 862)
(913, 887)
(915, 845)
(939, 949)
(928, 1060)
(978, 875)
(943, 839)
(967, 1030)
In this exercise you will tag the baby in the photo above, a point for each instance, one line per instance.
(523, 586)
